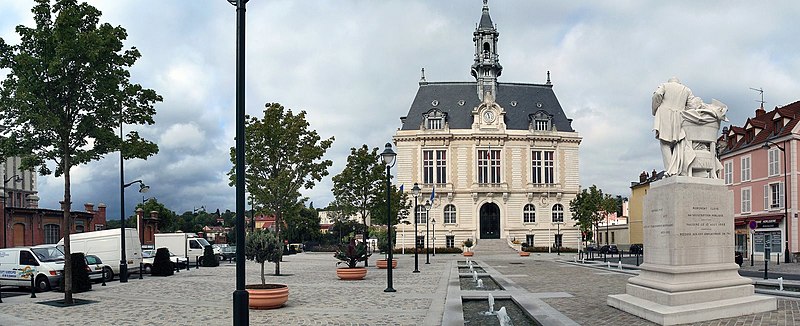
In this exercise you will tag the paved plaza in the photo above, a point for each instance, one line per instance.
(567, 292)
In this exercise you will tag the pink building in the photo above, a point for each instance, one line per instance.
(756, 168)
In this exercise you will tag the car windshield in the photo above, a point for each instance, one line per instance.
(203, 242)
(48, 254)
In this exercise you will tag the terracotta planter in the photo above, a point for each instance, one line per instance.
(267, 296)
(351, 274)
(468, 253)
(524, 253)
(381, 263)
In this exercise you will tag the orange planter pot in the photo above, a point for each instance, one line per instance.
(524, 253)
(267, 296)
(351, 274)
(468, 254)
(381, 263)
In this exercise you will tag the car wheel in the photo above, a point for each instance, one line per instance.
(147, 268)
(42, 283)
(109, 274)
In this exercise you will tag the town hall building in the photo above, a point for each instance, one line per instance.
(500, 158)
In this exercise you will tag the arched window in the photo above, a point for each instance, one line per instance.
(558, 213)
(529, 214)
(450, 214)
(52, 233)
(422, 215)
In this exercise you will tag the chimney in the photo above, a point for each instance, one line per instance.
(643, 176)
(760, 111)
(89, 207)
(654, 173)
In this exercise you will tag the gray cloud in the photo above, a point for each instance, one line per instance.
(354, 66)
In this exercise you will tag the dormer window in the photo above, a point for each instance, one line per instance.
(541, 121)
(435, 119)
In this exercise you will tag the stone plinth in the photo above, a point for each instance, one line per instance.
(689, 274)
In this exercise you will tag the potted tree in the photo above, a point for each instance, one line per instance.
(523, 252)
(383, 245)
(468, 244)
(263, 246)
(350, 255)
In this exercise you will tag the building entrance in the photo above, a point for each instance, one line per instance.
(490, 221)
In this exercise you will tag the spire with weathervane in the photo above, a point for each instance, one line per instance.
(486, 67)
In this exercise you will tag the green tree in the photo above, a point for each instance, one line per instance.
(282, 156)
(302, 224)
(67, 91)
(590, 207)
(263, 246)
(356, 188)
(167, 219)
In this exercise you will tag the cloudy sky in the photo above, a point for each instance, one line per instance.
(354, 67)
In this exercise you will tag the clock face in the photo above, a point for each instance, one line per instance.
(488, 116)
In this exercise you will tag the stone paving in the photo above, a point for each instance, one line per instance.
(203, 296)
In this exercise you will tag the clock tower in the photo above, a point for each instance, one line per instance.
(486, 66)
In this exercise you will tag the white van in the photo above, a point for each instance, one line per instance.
(45, 263)
(185, 245)
(106, 244)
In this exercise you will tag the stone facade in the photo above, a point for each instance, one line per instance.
(501, 159)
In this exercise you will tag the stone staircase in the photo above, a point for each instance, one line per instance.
(492, 247)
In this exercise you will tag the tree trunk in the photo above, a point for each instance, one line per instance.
(66, 207)
(278, 222)
(263, 281)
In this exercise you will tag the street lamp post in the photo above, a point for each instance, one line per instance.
(786, 253)
(5, 198)
(415, 192)
(241, 314)
(427, 232)
(433, 228)
(558, 239)
(123, 261)
(388, 157)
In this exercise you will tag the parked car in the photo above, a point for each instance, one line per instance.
(149, 255)
(609, 249)
(229, 253)
(96, 268)
(637, 249)
(591, 247)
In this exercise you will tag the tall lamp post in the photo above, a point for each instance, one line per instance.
(5, 198)
(427, 232)
(123, 261)
(241, 314)
(433, 228)
(388, 157)
(415, 192)
(786, 253)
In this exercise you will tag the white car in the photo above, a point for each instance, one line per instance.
(97, 267)
(148, 256)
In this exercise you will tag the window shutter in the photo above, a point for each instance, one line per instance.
(766, 197)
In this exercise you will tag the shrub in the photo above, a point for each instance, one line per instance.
(80, 274)
(162, 265)
(352, 253)
(209, 258)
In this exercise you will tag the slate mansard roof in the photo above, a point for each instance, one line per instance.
(448, 96)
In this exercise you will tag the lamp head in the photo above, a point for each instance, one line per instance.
(765, 146)
(427, 205)
(388, 155)
(143, 188)
(415, 191)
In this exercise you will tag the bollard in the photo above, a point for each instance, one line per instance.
(751, 258)
(608, 264)
(103, 276)
(33, 285)
(1, 293)
(780, 283)
(620, 265)
(604, 257)
(779, 258)
(187, 263)
(177, 268)
(766, 267)
(637, 259)
(196, 262)
(141, 268)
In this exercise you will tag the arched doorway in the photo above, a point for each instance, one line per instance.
(490, 221)
(19, 234)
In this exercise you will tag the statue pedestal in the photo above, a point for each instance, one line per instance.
(689, 274)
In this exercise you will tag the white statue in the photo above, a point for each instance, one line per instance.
(669, 100)
(687, 129)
